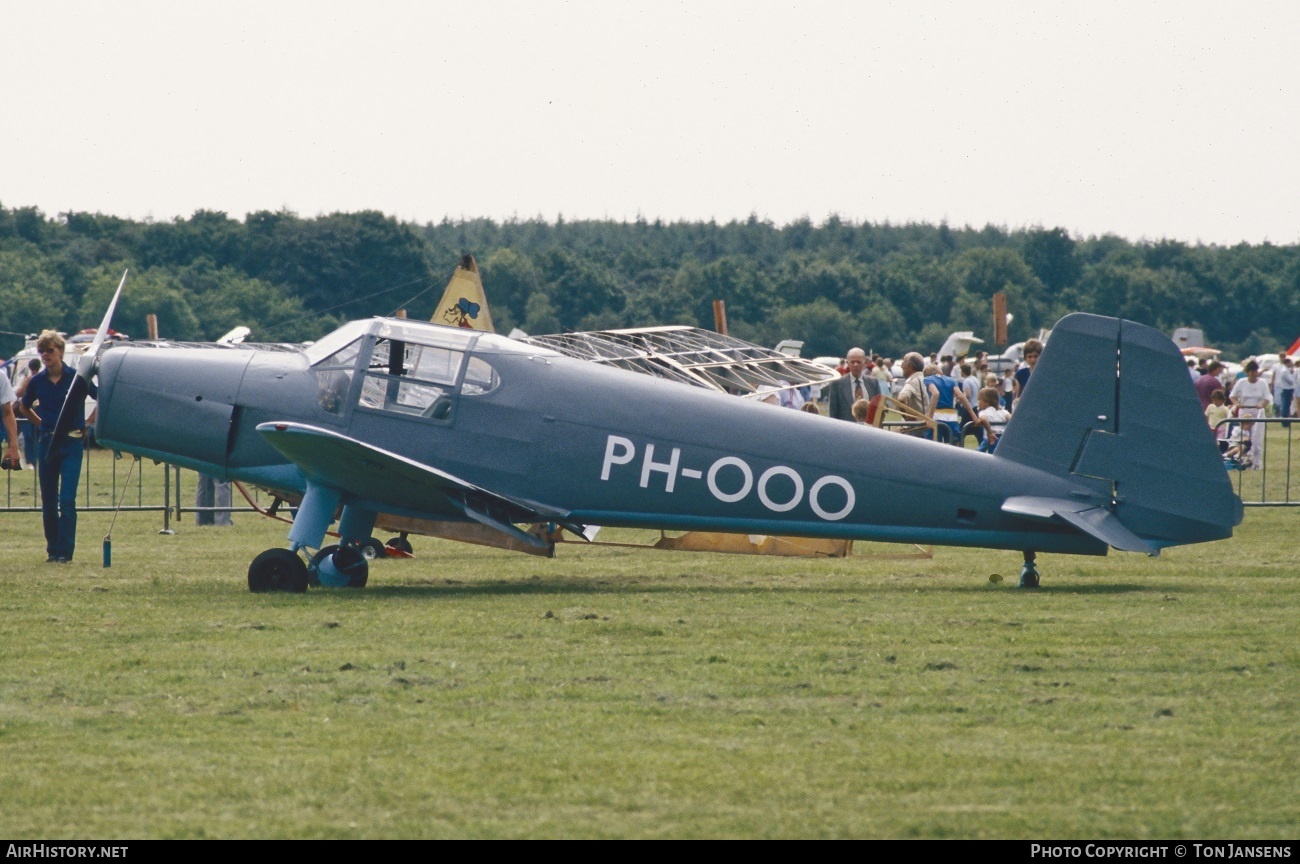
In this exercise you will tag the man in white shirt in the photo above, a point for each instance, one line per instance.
(1284, 388)
(7, 401)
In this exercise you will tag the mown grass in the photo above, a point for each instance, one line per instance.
(627, 693)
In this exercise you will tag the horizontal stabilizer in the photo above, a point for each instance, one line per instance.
(1092, 520)
(1110, 406)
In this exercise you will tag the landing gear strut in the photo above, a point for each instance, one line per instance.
(1028, 574)
(338, 566)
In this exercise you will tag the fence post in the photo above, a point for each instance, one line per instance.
(167, 500)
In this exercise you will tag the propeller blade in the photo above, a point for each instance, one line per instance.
(76, 399)
(87, 364)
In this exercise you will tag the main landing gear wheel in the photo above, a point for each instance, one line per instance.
(401, 544)
(372, 549)
(277, 570)
(341, 567)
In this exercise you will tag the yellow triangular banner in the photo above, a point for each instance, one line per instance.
(464, 304)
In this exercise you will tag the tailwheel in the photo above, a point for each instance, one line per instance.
(372, 549)
(400, 544)
(1029, 573)
(277, 570)
(340, 567)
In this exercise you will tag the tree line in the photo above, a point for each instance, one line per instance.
(886, 287)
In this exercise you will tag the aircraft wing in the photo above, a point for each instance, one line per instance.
(387, 480)
(1092, 520)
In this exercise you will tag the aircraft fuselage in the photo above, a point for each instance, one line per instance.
(609, 447)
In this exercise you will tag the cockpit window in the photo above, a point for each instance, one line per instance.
(412, 379)
(334, 385)
(420, 333)
(412, 398)
(413, 367)
(344, 358)
(334, 377)
(426, 362)
(332, 342)
(480, 378)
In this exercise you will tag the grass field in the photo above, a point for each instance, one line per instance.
(627, 693)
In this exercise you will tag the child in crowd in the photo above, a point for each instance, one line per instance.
(992, 418)
(1238, 455)
(1215, 413)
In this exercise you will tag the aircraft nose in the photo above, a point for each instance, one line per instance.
(172, 404)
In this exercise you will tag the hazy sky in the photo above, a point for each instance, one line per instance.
(1161, 119)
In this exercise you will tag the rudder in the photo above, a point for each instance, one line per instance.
(1110, 404)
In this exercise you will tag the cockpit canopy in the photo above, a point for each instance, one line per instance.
(404, 367)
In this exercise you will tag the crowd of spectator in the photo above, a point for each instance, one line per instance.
(964, 396)
(957, 396)
(1233, 402)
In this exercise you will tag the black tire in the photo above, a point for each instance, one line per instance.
(351, 562)
(277, 570)
(372, 550)
(401, 544)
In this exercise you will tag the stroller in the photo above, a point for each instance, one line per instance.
(1237, 455)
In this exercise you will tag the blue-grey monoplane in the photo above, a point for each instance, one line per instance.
(1108, 447)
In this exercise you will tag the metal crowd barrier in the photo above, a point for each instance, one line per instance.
(1262, 480)
(140, 485)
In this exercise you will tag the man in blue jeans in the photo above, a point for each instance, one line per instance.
(1284, 387)
(59, 465)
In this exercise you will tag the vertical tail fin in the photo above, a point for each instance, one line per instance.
(1110, 404)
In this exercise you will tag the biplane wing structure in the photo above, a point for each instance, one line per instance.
(691, 355)
(1108, 447)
